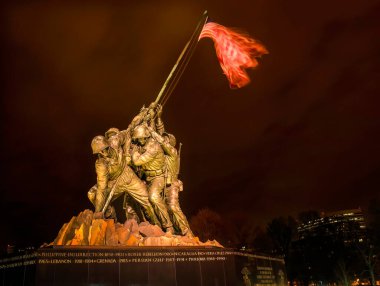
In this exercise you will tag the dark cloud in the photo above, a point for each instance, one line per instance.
(304, 134)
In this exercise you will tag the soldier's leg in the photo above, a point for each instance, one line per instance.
(178, 217)
(129, 207)
(92, 193)
(100, 199)
(110, 212)
(155, 190)
(138, 191)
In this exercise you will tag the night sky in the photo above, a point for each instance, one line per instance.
(305, 134)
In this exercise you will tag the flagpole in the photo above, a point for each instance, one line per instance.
(181, 63)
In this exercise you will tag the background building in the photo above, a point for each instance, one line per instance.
(346, 225)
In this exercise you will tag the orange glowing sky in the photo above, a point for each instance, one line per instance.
(305, 134)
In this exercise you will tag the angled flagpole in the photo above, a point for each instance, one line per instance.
(182, 61)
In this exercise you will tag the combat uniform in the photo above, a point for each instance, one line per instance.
(173, 184)
(113, 172)
(151, 158)
(120, 141)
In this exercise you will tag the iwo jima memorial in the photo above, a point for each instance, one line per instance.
(155, 245)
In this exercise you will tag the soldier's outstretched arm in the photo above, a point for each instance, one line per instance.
(168, 149)
(145, 115)
(142, 158)
(160, 127)
(126, 134)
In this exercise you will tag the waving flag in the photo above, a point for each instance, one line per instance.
(236, 52)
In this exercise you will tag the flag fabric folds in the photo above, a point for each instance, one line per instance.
(235, 51)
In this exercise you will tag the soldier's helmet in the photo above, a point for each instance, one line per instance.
(140, 131)
(113, 138)
(111, 132)
(98, 144)
(171, 138)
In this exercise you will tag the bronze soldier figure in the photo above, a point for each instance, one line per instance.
(113, 172)
(173, 184)
(149, 155)
(120, 142)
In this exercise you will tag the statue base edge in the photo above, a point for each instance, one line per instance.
(169, 265)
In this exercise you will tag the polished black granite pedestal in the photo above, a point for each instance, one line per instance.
(77, 266)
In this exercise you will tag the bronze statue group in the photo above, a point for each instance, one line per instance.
(142, 164)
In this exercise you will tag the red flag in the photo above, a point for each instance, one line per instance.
(235, 51)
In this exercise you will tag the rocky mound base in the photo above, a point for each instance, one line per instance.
(85, 230)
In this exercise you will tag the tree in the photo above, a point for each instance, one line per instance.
(282, 231)
(207, 225)
(262, 241)
(239, 230)
(342, 273)
(369, 255)
(369, 249)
